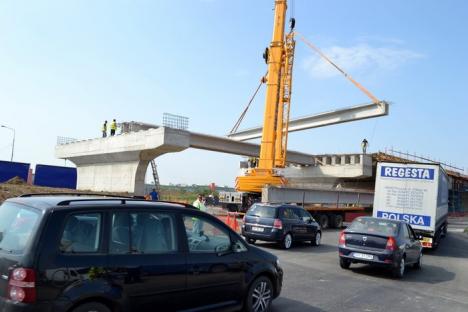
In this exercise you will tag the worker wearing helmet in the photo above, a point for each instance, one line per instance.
(364, 145)
(113, 127)
(104, 129)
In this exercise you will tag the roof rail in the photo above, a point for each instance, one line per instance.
(122, 201)
(76, 194)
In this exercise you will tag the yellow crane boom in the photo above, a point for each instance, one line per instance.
(279, 57)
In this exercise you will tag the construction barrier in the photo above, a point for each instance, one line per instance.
(231, 220)
(9, 170)
(55, 176)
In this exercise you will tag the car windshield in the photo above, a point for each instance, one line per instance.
(378, 226)
(262, 211)
(17, 223)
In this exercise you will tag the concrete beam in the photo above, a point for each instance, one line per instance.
(224, 145)
(272, 194)
(349, 114)
(331, 168)
(119, 163)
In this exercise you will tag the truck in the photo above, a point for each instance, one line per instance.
(328, 206)
(416, 193)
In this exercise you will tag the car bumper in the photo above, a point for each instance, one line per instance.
(10, 306)
(380, 258)
(273, 236)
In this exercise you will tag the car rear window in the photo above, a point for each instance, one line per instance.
(262, 211)
(378, 226)
(17, 223)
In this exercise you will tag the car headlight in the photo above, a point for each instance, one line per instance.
(278, 263)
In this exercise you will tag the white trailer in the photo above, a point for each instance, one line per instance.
(416, 193)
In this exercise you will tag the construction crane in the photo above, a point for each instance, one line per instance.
(280, 59)
(263, 180)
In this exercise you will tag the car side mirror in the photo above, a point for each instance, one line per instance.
(233, 248)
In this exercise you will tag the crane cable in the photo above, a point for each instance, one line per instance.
(357, 84)
(239, 121)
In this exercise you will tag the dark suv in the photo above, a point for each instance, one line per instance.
(98, 254)
(280, 223)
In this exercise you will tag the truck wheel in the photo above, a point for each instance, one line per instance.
(338, 221)
(399, 270)
(323, 219)
(345, 264)
(286, 243)
(436, 241)
(444, 230)
(317, 240)
(418, 265)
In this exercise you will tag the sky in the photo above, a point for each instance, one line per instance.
(66, 66)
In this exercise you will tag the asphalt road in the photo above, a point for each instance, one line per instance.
(314, 280)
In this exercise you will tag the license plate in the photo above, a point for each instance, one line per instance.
(363, 256)
(257, 229)
(426, 240)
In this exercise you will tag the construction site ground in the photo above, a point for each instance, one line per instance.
(16, 187)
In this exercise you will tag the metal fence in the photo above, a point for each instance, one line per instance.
(64, 140)
(419, 158)
(175, 121)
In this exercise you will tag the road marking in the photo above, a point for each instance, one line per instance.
(455, 230)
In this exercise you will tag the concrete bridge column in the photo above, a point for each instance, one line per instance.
(119, 163)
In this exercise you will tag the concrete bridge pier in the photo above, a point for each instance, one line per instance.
(119, 163)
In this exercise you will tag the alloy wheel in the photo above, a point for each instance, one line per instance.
(287, 241)
(261, 297)
(318, 238)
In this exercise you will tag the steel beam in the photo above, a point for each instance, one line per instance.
(349, 114)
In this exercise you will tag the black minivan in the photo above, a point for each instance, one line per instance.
(102, 254)
(280, 223)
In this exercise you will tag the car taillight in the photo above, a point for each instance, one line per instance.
(391, 244)
(22, 285)
(342, 240)
(278, 224)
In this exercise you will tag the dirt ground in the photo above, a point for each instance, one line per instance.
(16, 187)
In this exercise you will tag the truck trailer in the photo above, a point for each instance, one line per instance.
(416, 193)
(328, 206)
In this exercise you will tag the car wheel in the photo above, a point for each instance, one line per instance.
(317, 240)
(399, 270)
(286, 243)
(418, 265)
(344, 263)
(259, 296)
(251, 241)
(92, 307)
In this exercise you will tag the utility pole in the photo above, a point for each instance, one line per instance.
(13, 143)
